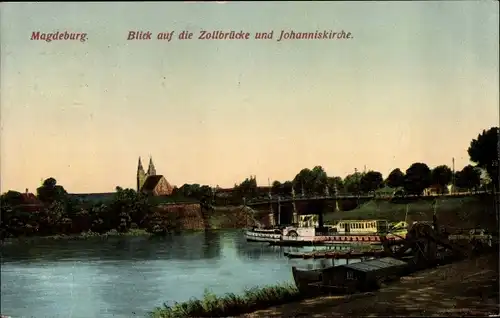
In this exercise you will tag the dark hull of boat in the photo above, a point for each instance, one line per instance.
(303, 279)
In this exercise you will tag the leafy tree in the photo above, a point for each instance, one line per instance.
(417, 178)
(371, 181)
(468, 178)
(311, 182)
(195, 191)
(303, 182)
(247, 189)
(63, 214)
(127, 207)
(205, 193)
(12, 198)
(396, 178)
(175, 192)
(335, 183)
(441, 176)
(484, 151)
(352, 183)
(485, 178)
(287, 188)
(50, 191)
(52, 220)
(99, 215)
(320, 180)
(276, 187)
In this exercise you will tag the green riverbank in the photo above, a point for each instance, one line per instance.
(459, 278)
(466, 212)
(231, 304)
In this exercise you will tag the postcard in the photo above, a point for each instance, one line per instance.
(227, 158)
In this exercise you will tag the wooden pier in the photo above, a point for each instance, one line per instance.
(336, 254)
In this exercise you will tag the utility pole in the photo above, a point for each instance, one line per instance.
(295, 219)
(335, 190)
(271, 212)
(452, 175)
(279, 210)
(213, 189)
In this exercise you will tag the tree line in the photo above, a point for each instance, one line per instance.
(54, 212)
(484, 174)
(61, 213)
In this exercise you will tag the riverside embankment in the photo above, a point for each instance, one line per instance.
(176, 217)
(453, 213)
(195, 217)
(466, 288)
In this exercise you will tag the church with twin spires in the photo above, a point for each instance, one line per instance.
(151, 183)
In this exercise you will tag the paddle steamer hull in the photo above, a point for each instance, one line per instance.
(269, 236)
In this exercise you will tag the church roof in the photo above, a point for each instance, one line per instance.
(151, 182)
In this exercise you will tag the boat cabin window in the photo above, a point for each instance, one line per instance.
(350, 275)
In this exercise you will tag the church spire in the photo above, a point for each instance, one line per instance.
(139, 165)
(141, 175)
(151, 168)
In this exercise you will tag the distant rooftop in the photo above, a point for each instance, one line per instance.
(93, 197)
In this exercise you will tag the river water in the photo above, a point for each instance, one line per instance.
(128, 277)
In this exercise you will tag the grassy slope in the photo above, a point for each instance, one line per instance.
(465, 212)
(231, 217)
(229, 304)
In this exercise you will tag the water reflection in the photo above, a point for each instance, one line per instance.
(257, 250)
(191, 246)
(127, 277)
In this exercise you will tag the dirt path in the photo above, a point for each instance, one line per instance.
(466, 288)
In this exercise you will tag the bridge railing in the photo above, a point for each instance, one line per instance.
(281, 198)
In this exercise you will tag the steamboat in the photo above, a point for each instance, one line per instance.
(264, 235)
(309, 231)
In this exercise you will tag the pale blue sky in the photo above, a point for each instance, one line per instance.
(416, 83)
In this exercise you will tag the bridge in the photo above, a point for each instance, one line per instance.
(286, 199)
